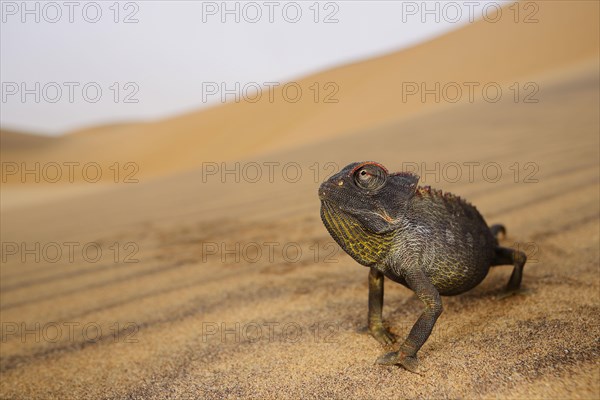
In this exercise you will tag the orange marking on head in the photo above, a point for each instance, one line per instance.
(385, 216)
(368, 163)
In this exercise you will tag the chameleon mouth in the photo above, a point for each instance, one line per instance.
(334, 210)
(332, 200)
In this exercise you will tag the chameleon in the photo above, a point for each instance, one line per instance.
(434, 243)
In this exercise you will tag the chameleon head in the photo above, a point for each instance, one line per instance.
(361, 205)
(367, 190)
(355, 187)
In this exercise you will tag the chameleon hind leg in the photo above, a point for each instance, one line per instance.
(376, 327)
(506, 256)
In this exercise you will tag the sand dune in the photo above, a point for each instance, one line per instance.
(368, 93)
(12, 140)
(211, 285)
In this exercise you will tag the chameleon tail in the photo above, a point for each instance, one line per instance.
(496, 229)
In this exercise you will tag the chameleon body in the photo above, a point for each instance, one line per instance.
(431, 242)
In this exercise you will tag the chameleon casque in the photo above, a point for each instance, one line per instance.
(434, 243)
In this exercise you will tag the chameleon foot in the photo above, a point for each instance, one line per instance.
(408, 362)
(382, 335)
(514, 292)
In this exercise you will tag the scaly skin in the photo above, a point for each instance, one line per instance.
(431, 242)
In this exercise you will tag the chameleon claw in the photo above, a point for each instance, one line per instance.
(410, 363)
(388, 359)
(382, 335)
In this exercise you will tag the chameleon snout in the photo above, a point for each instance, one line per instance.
(323, 191)
(328, 188)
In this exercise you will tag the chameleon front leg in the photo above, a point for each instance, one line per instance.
(376, 328)
(428, 294)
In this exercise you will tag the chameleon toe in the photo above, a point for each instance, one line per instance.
(410, 363)
(383, 336)
(514, 292)
(388, 359)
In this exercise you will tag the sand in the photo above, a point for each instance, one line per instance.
(208, 312)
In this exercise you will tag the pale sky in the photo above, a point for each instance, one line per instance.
(67, 65)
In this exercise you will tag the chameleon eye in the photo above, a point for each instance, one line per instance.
(370, 177)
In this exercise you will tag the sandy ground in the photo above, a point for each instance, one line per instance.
(208, 284)
(198, 317)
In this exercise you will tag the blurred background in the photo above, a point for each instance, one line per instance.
(171, 53)
(160, 164)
